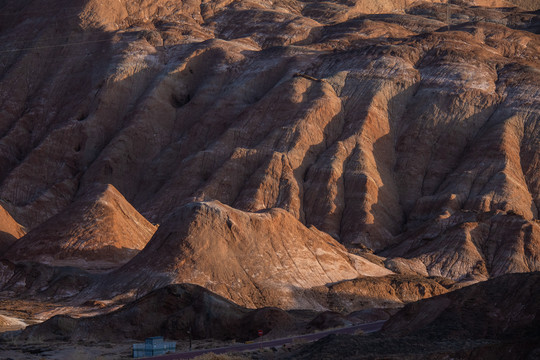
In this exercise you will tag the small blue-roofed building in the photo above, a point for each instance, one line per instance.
(153, 346)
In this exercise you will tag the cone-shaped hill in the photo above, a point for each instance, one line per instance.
(267, 258)
(99, 229)
(10, 230)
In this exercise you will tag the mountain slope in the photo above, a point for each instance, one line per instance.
(253, 259)
(494, 319)
(503, 308)
(472, 246)
(401, 132)
(100, 227)
(10, 230)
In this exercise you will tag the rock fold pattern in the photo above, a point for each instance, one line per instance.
(276, 129)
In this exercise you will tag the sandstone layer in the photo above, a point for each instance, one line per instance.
(10, 230)
(392, 291)
(9, 322)
(99, 229)
(472, 243)
(255, 259)
(413, 132)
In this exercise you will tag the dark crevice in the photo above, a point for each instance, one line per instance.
(178, 101)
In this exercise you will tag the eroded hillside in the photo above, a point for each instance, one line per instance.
(409, 128)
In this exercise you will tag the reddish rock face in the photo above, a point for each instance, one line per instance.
(470, 246)
(99, 230)
(413, 133)
(255, 259)
(10, 230)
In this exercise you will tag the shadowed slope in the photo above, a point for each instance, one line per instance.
(171, 312)
(503, 308)
(491, 320)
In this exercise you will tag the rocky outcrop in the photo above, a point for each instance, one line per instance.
(469, 246)
(413, 133)
(174, 310)
(100, 229)
(9, 323)
(254, 259)
(10, 230)
(391, 291)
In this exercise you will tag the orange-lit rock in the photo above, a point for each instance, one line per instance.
(10, 230)
(378, 124)
(99, 230)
